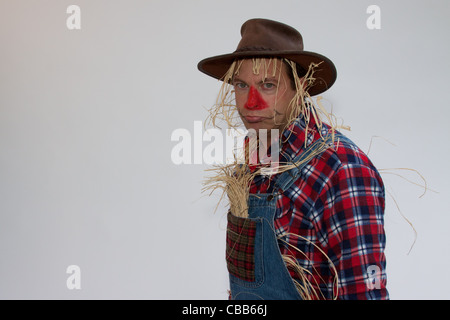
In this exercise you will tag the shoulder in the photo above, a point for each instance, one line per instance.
(345, 154)
(342, 161)
(351, 169)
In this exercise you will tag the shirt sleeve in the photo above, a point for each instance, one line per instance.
(354, 229)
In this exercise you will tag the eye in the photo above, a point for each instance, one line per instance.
(240, 85)
(268, 85)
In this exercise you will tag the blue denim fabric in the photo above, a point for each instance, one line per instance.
(272, 279)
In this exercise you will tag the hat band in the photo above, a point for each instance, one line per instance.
(244, 49)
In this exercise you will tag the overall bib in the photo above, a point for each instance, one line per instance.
(255, 265)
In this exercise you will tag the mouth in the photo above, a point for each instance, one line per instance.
(254, 119)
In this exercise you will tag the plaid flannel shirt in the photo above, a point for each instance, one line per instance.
(335, 207)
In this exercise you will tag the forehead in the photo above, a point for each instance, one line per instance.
(261, 68)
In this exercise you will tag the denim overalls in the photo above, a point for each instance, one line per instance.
(255, 265)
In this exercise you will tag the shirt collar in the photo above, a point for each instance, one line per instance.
(299, 135)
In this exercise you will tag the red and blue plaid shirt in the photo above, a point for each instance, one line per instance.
(335, 207)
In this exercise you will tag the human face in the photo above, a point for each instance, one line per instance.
(263, 99)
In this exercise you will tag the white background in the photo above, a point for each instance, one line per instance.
(86, 116)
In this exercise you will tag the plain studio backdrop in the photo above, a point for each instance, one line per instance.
(86, 119)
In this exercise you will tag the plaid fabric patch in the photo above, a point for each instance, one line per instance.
(240, 247)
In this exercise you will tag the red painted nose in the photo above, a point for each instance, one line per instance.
(254, 100)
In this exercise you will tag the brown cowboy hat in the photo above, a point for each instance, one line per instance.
(268, 38)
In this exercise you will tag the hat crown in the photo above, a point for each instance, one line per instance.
(269, 35)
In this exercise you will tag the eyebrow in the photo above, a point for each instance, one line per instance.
(271, 79)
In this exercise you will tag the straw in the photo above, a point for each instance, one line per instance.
(234, 180)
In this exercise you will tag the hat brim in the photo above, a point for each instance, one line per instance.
(325, 74)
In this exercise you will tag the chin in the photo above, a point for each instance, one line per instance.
(256, 126)
(257, 129)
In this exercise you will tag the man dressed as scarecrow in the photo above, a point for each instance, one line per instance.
(310, 224)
